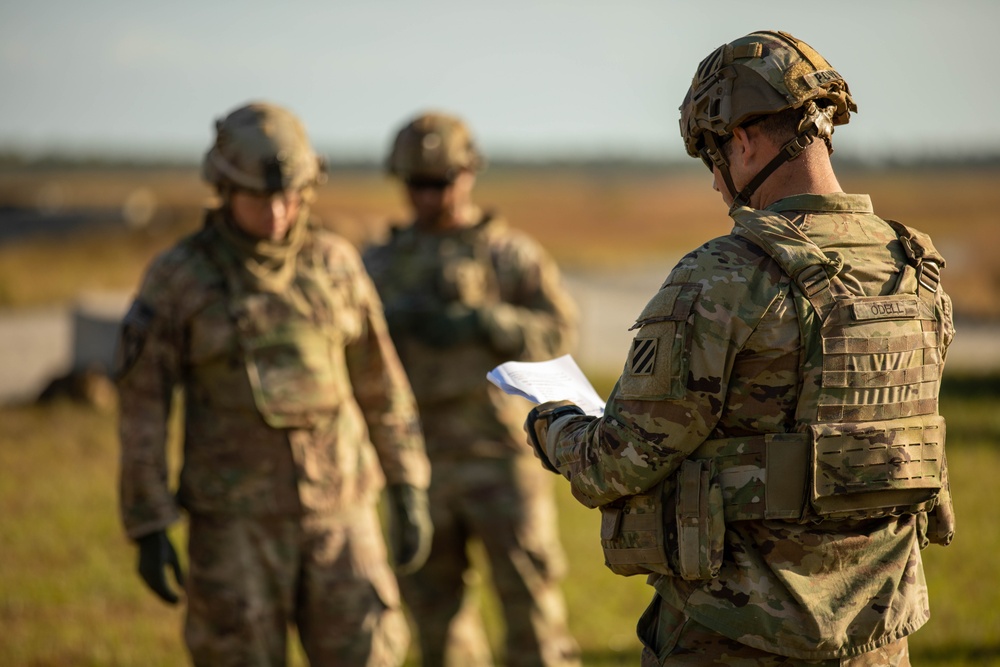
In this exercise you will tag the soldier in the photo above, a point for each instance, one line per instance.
(772, 455)
(296, 412)
(462, 293)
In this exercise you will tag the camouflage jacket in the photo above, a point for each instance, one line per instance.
(430, 282)
(731, 369)
(180, 334)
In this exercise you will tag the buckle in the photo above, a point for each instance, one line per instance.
(795, 147)
(813, 280)
(929, 275)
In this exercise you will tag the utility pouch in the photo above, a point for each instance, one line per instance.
(878, 468)
(295, 372)
(632, 534)
(700, 521)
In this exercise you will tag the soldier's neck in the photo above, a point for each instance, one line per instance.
(810, 173)
(451, 220)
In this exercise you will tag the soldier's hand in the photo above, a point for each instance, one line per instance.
(156, 554)
(536, 426)
(410, 528)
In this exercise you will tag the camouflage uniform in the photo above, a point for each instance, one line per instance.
(772, 455)
(280, 476)
(485, 484)
(725, 362)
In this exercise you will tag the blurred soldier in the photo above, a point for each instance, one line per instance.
(275, 334)
(772, 454)
(462, 293)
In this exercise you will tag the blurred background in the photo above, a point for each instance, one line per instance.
(106, 108)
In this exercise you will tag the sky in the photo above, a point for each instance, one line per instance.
(535, 79)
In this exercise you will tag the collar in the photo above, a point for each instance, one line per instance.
(837, 202)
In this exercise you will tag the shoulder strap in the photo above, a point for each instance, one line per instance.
(922, 254)
(812, 270)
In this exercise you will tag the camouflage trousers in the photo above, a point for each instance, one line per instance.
(670, 638)
(507, 505)
(252, 577)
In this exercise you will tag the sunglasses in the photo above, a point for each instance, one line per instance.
(429, 183)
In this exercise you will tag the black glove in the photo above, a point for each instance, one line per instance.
(156, 553)
(410, 528)
(452, 326)
(537, 426)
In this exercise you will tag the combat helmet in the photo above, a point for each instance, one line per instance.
(433, 145)
(763, 73)
(264, 148)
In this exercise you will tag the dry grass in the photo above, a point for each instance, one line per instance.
(584, 216)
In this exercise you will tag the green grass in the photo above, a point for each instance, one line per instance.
(69, 594)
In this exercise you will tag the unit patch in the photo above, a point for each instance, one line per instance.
(135, 327)
(643, 356)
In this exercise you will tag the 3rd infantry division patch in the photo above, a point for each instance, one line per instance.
(643, 356)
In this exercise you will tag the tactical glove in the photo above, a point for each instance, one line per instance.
(410, 528)
(455, 325)
(156, 553)
(537, 426)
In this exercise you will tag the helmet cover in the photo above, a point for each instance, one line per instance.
(433, 145)
(759, 74)
(261, 147)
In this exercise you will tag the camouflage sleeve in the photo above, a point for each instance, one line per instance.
(383, 391)
(536, 318)
(147, 370)
(674, 385)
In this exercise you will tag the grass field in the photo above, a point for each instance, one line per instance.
(69, 594)
(68, 591)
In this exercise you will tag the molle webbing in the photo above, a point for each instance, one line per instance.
(871, 442)
(877, 357)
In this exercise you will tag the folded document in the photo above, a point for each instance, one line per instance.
(555, 380)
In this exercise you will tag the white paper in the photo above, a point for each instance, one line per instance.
(555, 380)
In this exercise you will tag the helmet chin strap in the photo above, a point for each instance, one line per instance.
(788, 152)
(816, 121)
(714, 151)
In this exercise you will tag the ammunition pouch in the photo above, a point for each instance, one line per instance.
(700, 524)
(633, 534)
(639, 538)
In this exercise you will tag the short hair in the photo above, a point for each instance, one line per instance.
(778, 127)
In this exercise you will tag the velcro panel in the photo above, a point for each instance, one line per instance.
(787, 472)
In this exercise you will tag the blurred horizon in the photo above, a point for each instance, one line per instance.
(336, 161)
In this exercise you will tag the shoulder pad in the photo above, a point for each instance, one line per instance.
(916, 244)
